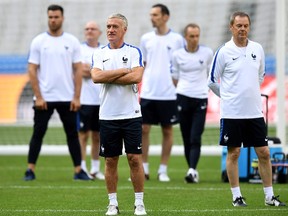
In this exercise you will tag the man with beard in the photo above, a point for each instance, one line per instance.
(54, 68)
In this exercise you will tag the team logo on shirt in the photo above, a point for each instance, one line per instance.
(66, 47)
(253, 56)
(201, 61)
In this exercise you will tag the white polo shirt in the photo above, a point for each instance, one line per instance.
(55, 56)
(240, 71)
(157, 51)
(90, 91)
(118, 101)
(191, 70)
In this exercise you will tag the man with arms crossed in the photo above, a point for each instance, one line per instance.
(119, 68)
(158, 95)
(239, 65)
(90, 102)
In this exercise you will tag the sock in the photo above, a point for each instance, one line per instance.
(139, 198)
(162, 169)
(95, 166)
(268, 191)
(83, 165)
(113, 199)
(191, 171)
(146, 168)
(236, 192)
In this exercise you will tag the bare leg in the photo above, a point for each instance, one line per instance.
(95, 147)
(83, 138)
(136, 171)
(265, 168)
(232, 166)
(145, 141)
(167, 133)
(111, 174)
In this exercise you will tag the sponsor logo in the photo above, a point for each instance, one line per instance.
(204, 106)
(173, 119)
(124, 59)
(105, 60)
(235, 58)
(140, 146)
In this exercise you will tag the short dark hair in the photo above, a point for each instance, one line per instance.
(238, 13)
(164, 9)
(192, 25)
(55, 7)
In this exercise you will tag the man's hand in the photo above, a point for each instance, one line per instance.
(75, 105)
(40, 104)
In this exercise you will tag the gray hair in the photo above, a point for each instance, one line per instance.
(119, 16)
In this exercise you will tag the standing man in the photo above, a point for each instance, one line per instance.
(239, 65)
(90, 102)
(55, 75)
(158, 96)
(190, 70)
(119, 68)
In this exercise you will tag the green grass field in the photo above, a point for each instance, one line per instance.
(55, 193)
(20, 135)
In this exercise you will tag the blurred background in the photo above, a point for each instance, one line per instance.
(22, 20)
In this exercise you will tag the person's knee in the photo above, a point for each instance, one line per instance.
(134, 160)
(145, 129)
(263, 153)
(233, 154)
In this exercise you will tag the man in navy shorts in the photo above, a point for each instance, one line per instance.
(240, 66)
(119, 68)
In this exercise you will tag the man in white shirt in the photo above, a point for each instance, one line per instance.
(158, 95)
(239, 65)
(90, 102)
(119, 68)
(190, 69)
(55, 75)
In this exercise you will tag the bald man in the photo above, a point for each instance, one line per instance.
(89, 111)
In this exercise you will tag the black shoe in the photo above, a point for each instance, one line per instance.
(192, 178)
(239, 201)
(29, 175)
(82, 175)
(147, 177)
(274, 202)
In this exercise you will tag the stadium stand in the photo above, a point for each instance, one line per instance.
(22, 20)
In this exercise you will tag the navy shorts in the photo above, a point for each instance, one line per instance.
(88, 118)
(115, 133)
(156, 112)
(249, 132)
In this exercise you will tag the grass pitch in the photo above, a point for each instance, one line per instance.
(55, 193)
